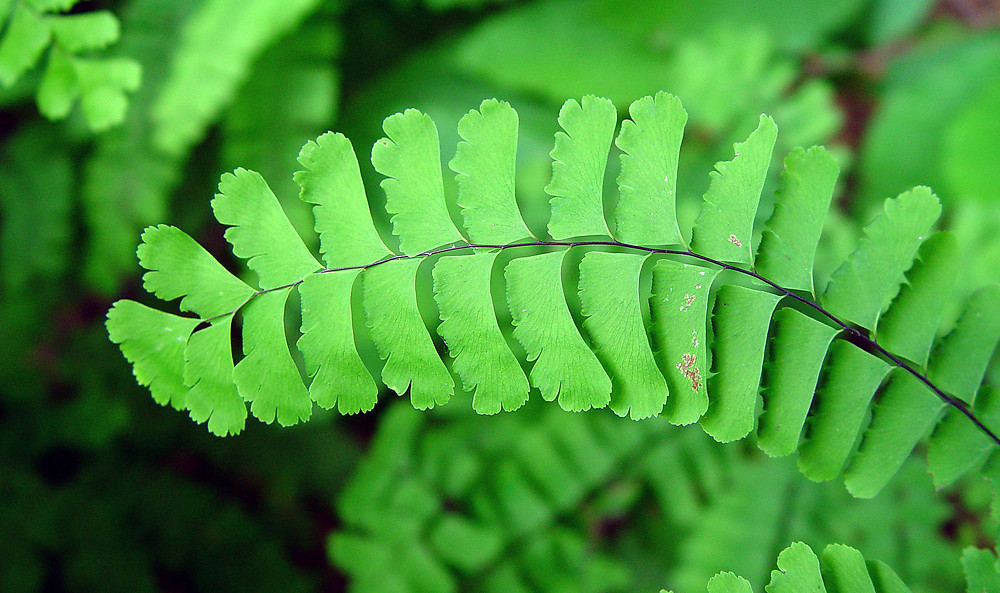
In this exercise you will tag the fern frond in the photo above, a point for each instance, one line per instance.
(99, 84)
(492, 504)
(716, 322)
(840, 568)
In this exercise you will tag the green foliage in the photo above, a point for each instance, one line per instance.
(799, 570)
(100, 84)
(826, 418)
(222, 37)
(134, 170)
(105, 490)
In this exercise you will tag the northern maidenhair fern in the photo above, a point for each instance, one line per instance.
(725, 322)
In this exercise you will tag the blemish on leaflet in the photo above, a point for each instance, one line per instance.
(688, 366)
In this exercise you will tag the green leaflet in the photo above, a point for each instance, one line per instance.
(740, 321)
(958, 367)
(960, 363)
(906, 409)
(23, 41)
(84, 32)
(844, 569)
(259, 230)
(208, 371)
(788, 244)
(957, 446)
(650, 142)
(679, 307)
(862, 286)
(410, 158)
(469, 328)
(180, 267)
(101, 85)
(565, 367)
(579, 159)
(724, 227)
(267, 376)
(797, 353)
(727, 582)
(153, 341)
(852, 376)
(980, 568)
(484, 163)
(332, 181)
(609, 293)
(411, 362)
(910, 325)
(798, 571)
(339, 377)
(465, 545)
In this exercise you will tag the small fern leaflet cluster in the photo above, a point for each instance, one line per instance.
(30, 27)
(728, 323)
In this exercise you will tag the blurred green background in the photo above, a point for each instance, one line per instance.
(103, 490)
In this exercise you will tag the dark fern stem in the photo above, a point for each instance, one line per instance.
(850, 332)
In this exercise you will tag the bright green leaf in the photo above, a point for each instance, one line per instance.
(740, 323)
(411, 361)
(180, 267)
(797, 353)
(960, 362)
(957, 367)
(484, 163)
(410, 158)
(579, 159)
(59, 88)
(259, 230)
(957, 445)
(103, 87)
(852, 376)
(332, 181)
(885, 580)
(844, 570)
(88, 31)
(339, 377)
(208, 372)
(650, 141)
(788, 245)
(267, 376)
(25, 38)
(679, 308)
(981, 572)
(469, 327)
(861, 288)
(911, 323)
(727, 582)
(798, 571)
(564, 365)
(724, 227)
(904, 412)
(153, 341)
(219, 43)
(609, 294)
